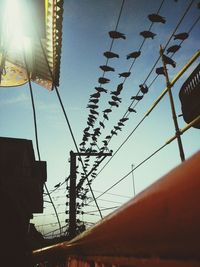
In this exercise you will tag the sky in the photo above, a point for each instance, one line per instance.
(86, 25)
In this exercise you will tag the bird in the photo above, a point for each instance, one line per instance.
(95, 101)
(119, 87)
(115, 98)
(90, 124)
(85, 139)
(105, 142)
(117, 35)
(107, 110)
(95, 95)
(92, 106)
(101, 89)
(117, 128)
(110, 54)
(93, 144)
(86, 129)
(148, 34)
(106, 68)
(160, 71)
(105, 116)
(108, 137)
(94, 111)
(120, 124)
(115, 93)
(113, 132)
(181, 36)
(57, 185)
(173, 49)
(169, 61)
(113, 103)
(92, 116)
(125, 74)
(137, 97)
(101, 124)
(82, 144)
(143, 88)
(131, 110)
(123, 119)
(156, 18)
(134, 54)
(103, 80)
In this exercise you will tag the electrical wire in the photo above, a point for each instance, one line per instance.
(179, 22)
(69, 125)
(36, 135)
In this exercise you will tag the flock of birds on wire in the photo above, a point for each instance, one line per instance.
(115, 102)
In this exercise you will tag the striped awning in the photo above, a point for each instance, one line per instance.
(35, 47)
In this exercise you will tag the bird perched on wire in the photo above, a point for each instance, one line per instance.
(92, 117)
(113, 104)
(94, 111)
(119, 87)
(118, 90)
(156, 18)
(134, 54)
(181, 36)
(117, 35)
(132, 110)
(103, 80)
(173, 49)
(101, 90)
(109, 54)
(95, 95)
(108, 110)
(115, 98)
(95, 100)
(113, 132)
(120, 123)
(92, 106)
(123, 119)
(160, 71)
(105, 116)
(125, 74)
(169, 61)
(105, 142)
(117, 128)
(148, 34)
(143, 88)
(137, 97)
(106, 68)
(101, 124)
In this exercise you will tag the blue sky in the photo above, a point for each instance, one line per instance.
(85, 38)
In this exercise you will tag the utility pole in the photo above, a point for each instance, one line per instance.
(132, 166)
(73, 189)
(178, 136)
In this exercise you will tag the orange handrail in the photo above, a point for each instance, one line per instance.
(162, 222)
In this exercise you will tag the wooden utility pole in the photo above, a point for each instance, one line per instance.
(73, 189)
(178, 136)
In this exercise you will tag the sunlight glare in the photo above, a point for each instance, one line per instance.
(15, 26)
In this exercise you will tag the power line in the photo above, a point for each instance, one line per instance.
(184, 14)
(68, 123)
(36, 134)
(120, 180)
(155, 152)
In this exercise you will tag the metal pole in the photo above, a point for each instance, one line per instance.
(72, 196)
(132, 166)
(173, 108)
